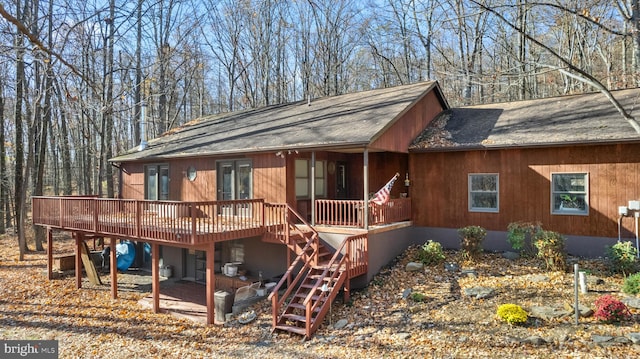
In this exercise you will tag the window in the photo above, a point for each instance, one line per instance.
(156, 182)
(303, 174)
(483, 192)
(235, 180)
(569, 193)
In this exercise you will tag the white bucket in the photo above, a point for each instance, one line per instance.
(230, 269)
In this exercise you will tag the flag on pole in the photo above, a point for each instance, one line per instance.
(382, 196)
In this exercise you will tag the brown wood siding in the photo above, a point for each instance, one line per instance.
(400, 135)
(439, 188)
(382, 166)
(269, 178)
(132, 181)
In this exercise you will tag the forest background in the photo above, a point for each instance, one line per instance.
(75, 74)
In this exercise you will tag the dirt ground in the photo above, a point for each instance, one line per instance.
(378, 322)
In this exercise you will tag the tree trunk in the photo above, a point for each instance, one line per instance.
(19, 178)
(3, 167)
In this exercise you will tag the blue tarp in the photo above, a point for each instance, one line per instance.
(125, 255)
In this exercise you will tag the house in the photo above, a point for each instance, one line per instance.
(271, 192)
(566, 162)
(282, 192)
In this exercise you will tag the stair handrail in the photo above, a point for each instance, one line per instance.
(308, 301)
(273, 296)
(303, 256)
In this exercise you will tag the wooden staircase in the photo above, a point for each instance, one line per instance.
(312, 281)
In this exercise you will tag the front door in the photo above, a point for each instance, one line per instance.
(342, 190)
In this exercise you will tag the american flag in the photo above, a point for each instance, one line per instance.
(382, 196)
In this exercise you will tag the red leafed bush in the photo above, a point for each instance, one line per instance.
(609, 309)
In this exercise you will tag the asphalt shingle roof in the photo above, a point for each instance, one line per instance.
(353, 119)
(575, 119)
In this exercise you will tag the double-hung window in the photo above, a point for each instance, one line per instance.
(483, 192)
(570, 193)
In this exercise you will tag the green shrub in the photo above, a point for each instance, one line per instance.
(622, 257)
(431, 253)
(632, 284)
(418, 297)
(520, 236)
(471, 238)
(551, 249)
(512, 314)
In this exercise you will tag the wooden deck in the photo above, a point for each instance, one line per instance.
(185, 224)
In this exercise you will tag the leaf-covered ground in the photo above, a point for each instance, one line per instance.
(380, 322)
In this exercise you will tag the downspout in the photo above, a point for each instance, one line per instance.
(313, 188)
(365, 176)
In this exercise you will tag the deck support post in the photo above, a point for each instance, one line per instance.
(155, 276)
(211, 283)
(113, 267)
(79, 239)
(49, 253)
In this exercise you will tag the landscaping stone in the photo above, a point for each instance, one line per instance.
(535, 340)
(634, 337)
(414, 266)
(451, 267)
(340, 324)
(479, 292)
(600, 339)
(548, 313)
(583, 310)
(471, 273)
(632, 302)
(403, 336)
(538, 278)
(406, 293)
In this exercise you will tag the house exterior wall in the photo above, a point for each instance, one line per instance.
(440, 189)
(269, 176)
(401, 133)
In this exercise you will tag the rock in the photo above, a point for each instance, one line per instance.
(406, 293)
(634, 337)
(538, 278)
(451, 267)
(548, 313)
(403, 336)
(471, 273)
(414, 266)
(340, 324)
(511, 255)
(479, 292)
(632, 302)
(601, 339)
(583, 310)
(535, 340)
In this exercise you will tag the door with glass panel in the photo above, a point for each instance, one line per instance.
(235, 182)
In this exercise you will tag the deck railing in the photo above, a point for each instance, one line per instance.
(350, 213)
(189, 223)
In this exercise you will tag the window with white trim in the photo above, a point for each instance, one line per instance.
(303, 175)
(483, 192)
(570, 193)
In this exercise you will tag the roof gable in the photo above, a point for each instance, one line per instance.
(575, 119)
(331, 122)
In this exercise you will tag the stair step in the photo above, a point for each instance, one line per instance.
(291, 328)
(326, 279)
(304, 295)
(303, 307)
(295, 317)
